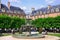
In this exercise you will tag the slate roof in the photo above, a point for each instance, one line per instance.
(12, 8)
(45, 10)
(4, 6)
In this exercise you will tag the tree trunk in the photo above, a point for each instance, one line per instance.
(40, 30)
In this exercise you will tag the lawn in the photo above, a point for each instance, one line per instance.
(54, 34)
(5, 34)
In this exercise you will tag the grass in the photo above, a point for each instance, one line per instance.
(54, 34)
(5, 34)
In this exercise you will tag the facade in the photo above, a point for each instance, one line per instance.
(11, 10)
(50, 11)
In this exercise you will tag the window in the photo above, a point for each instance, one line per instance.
(13, 15)
(9, 15)
(27, 17)
(46, 16)
(44, 12)
(14, 11)
(48, 11)
(40, 12)
(7, 11)
(11, 11)
(18, 12)
(17, 15)
(39, 16)
(52, 10)
(33, 17)
(36, 17)
(57, 9)
(3, 10)
(37, 12)
(34, 13)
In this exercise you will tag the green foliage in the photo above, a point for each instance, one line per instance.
(10, 22)
(47, 22)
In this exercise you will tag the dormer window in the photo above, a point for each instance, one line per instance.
(57, 9)
(34, 14)
(7, 11)
(44, 12)
(52, 10)
(48, 11)
(40, 12)
(18, 12)
(11, 11)
(37, 13)
(14, 11)
(3, 10)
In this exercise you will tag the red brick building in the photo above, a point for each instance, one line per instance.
(50, 11)
(12, 10)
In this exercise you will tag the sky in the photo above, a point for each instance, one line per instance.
(26, 5)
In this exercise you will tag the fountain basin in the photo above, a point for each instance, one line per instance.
(32, 36)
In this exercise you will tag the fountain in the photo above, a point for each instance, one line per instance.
(28, 31)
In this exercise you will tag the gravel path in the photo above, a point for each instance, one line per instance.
(46, 38)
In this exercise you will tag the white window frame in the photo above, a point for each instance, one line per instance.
(57, 9)
(3, 10)
(52, 10)
(40, 12)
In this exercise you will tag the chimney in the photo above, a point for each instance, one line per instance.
(0, 4)
(33, 9)
(9, 5)
(49, 6)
